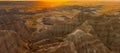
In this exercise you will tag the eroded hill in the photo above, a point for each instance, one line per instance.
(63, 29)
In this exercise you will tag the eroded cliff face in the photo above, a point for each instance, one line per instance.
(11, 42)
(86, 32)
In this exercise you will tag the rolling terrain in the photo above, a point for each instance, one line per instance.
(72, 27)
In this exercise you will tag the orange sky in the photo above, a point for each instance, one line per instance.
(52, 3)
(59, 0)
(109, 5)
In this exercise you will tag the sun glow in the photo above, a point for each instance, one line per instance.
(108, 6)
(56, 0)
(52, 3)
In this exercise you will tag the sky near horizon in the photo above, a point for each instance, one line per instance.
(59, 0)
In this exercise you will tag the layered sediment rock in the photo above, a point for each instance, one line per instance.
(10, 42)
(15, 24)
(87, 43)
